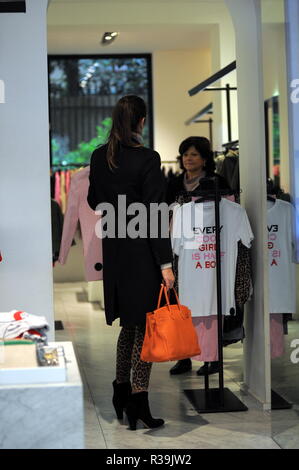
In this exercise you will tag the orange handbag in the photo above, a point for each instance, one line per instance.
(170, 334)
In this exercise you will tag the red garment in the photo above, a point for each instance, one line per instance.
(31, 332)
(57, 196)
(67, 181)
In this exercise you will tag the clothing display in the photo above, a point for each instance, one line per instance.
(194, 242)
(57, 227)
(16, 323)
(57, 196)
(207, 334)
(60, 186)
(282, 284)
(206, 327)
(68, 176)
(62, 191)
(78, 211)
(227, 166)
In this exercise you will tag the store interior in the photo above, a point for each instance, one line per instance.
(188, 42)
(191, 53)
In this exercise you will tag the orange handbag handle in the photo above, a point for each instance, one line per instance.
(163, 289)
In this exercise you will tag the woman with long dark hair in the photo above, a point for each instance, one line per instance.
(133, 268)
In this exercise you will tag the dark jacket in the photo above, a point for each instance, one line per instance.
(131, 267)
(176, 186)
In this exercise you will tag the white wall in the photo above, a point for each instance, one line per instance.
(246, 15)
(174, 73)
(25, 233)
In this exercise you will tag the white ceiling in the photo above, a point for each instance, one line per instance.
(80, 40)
(76, 26)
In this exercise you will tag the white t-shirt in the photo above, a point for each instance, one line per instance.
(16, 322)
(282, 284)
(194, 241)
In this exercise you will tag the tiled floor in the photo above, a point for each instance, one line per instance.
(94, 344)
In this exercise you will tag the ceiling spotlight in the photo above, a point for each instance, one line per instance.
(108, 38)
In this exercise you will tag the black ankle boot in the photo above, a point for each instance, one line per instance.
(202, 369)
(122, 393)
(138, 409)
(182, 366)
(213, 368)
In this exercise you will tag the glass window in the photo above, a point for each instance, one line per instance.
(83, 92)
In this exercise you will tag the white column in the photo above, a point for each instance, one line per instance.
(25, 220)
(246, 15)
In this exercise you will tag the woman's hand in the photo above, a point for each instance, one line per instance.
(168, 278)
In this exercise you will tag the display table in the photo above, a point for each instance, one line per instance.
(44, 416)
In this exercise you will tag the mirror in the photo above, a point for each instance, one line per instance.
(283, 270)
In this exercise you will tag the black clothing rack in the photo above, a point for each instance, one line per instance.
(205, 86)
(231, 145)
(217, 400)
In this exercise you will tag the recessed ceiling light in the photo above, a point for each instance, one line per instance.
(108, 38)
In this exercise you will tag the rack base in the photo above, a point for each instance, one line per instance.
(209, 401)
(58, 325)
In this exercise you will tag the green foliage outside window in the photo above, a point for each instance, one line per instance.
(82, 153)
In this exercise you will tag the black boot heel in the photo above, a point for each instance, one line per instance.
(121, 396)
(132, 424)
(138, 409)
(119, 411)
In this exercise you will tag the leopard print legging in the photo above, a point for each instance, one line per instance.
(129, 348)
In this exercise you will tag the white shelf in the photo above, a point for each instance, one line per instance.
(34, 375)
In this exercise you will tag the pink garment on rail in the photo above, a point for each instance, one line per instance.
(67, 182)
(207, 334)
(57, 188)
(276, 335)
(78, 210)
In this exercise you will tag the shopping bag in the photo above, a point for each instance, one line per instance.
(170, 334)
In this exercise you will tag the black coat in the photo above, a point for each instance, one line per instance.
(131, 267)
(176, 186)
